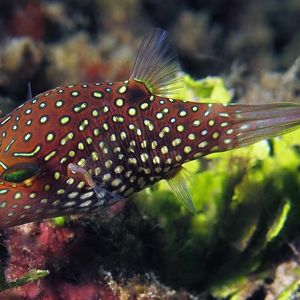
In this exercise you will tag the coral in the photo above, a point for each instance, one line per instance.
(69, 63)
(197, 50)
(286, 282)
(75, 255)
(20, 59)
(269, 86)
(21, 25)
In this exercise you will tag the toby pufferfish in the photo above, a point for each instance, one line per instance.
(76, 148)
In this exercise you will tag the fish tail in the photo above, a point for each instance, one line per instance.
(248, 124)
(214, 127)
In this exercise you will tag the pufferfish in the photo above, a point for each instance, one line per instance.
(77, 148)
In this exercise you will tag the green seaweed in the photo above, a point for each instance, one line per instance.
(59, 221)
(30, 276)
(210, 89)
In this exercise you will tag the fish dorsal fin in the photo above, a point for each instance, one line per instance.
(179, 185)
(157, 65)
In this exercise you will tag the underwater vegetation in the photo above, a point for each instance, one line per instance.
(243, 241)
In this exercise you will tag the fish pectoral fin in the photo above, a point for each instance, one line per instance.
(105, 197)
(157, 65)
(179, 186)
(80, 172)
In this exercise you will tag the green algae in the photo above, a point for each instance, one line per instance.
(59, 221)
(211, 89)
(30, 276)
(279, 222)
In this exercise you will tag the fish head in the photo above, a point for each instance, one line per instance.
(33, 165)
(23, 186)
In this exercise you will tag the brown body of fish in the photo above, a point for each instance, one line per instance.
(78, 148)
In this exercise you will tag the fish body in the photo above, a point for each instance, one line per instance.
(76, 148)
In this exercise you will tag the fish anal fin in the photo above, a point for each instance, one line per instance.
(178, 183)
(157, 65)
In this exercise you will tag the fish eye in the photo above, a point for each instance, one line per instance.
(20, 172)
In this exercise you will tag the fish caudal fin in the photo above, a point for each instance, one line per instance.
(157, 65)
(251, 123)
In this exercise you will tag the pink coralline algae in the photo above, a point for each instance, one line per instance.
(23, 25)
(38, 246)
